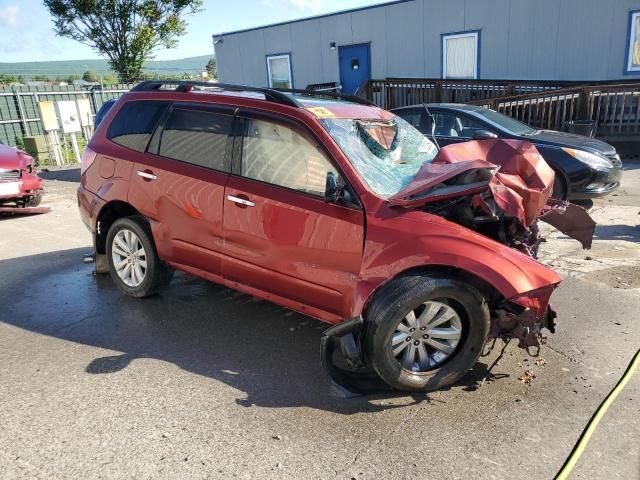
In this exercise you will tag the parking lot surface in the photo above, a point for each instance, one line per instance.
(204, 382)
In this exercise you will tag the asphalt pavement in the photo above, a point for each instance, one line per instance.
(205, 382)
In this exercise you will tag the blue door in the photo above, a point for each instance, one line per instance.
(355, 66)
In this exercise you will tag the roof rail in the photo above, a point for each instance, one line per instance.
(327, 94)
(277, 95)
(187, 85)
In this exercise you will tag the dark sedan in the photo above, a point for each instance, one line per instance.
(585, 167)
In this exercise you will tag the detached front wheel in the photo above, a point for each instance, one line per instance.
(424, 332)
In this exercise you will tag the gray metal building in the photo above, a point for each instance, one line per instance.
(484, 39)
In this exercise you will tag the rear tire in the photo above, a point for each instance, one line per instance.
(451, 347)
(133, 260)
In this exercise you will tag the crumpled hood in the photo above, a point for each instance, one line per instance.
(515, 172)
(518, 179)
(12, 158)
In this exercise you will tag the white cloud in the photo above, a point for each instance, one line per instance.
(9, 16)
(313, 5)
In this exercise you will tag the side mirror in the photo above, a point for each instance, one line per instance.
(483, 135)
(332, 190)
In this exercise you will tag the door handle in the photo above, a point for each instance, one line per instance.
(146, 175)
(241, 201)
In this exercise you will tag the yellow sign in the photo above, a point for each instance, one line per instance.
(321, 112)
(48, 116)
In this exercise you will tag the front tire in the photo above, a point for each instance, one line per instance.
(133, 261)
(425, 332)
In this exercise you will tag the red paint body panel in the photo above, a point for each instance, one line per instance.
(322, 259)
(26, 183)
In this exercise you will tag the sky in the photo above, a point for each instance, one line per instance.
(26, 32)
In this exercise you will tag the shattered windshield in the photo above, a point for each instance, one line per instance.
(386, 154)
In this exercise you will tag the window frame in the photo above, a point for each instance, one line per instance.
(273, 56)
(219, 109)
(629, 69)
(462, 115)
(443, 53)
(244, 114)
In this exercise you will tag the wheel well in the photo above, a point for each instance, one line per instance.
(111, 212)
(488, 291)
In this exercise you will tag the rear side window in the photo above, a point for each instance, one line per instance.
(198, 137)
(133, 125)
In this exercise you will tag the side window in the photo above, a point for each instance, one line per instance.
(134, 123)
(452, 125)
(277, 154)
(415, 118)
(197, 137)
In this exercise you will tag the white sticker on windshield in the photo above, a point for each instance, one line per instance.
(426, 146)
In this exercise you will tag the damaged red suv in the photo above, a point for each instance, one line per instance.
(332, 207)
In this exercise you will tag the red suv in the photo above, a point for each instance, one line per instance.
(327, 205)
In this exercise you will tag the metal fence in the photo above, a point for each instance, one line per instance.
(19, 113)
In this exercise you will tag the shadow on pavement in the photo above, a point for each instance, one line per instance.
(268, 352)
(62, 175)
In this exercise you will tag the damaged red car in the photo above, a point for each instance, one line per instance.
(335, 208)
(19, 183)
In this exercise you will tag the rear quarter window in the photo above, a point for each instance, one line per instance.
(135, 122)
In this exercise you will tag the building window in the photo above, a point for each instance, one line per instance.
(279, 71)
(633, 43)
(461, 55)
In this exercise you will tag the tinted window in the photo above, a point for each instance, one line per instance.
(277, 154)
(455, 125)
(198, 137)
(104, 109)
(134, 123)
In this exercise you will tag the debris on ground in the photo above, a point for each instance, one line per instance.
(540, 361)
(527, 377)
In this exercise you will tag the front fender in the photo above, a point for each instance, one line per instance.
(424, 240)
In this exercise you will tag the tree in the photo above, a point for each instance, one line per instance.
(127, 32)
(212, 68)
(90, 76)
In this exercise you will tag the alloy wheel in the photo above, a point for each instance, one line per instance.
(129, 258)
(426, 336)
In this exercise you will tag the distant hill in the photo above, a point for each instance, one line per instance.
(65, 68)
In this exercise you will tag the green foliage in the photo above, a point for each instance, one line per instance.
(90, 76)
(212, 68)
(127, 32)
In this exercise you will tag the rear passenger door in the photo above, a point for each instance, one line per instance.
(179, 184)
(280, 235)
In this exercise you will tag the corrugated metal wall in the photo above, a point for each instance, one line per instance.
(19, 114)
(520, 39)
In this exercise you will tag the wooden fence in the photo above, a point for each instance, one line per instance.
(614, 109)
(391, 93)
(19, 113)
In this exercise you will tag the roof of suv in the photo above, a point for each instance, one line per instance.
(322, 104)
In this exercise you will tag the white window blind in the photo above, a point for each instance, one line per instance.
(633, 60)
(279, 71)
(460, 55)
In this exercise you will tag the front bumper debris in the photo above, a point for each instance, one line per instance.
(343, 358)
(513, 321)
